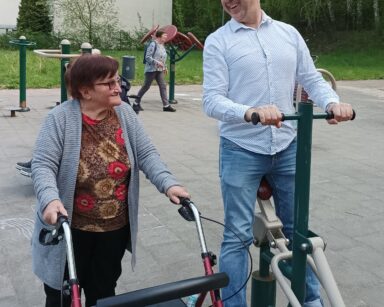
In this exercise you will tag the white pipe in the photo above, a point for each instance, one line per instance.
(325, 273)
(281, 278)
(54, 53)
(283, 248)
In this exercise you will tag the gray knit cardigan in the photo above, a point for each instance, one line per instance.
(54, 172)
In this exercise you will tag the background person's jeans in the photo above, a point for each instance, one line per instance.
(240, 174)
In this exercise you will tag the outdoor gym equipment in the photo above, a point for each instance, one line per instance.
(177, 42)
(64, 55)
(169, 294)
(23, 43)
(268, 234)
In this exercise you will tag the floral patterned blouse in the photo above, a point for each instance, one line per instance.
(103, 177)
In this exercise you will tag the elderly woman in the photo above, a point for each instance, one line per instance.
(86, 166)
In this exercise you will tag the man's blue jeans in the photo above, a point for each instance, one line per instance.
(240, 174)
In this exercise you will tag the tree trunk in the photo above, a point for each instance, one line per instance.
(376, 14)
(349, 7)
(331, 12)
(349, 18)
(359, 14)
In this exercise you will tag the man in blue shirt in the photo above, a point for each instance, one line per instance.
(251, 65)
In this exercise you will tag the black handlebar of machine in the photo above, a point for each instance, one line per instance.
(255, 118)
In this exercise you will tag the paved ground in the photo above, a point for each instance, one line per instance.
(346, 196)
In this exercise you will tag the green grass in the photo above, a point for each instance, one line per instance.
(348, 56)
(45, 72)
(354, 65)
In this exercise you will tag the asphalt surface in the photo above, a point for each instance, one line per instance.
(346, 194)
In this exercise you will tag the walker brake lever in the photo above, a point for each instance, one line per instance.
(185, 210)
(55, 235)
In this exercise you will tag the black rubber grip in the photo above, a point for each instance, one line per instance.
(330, 115)
(255, 118)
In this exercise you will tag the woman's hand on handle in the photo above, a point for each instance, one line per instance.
(53, 210)
(268, 115)
(176, 191)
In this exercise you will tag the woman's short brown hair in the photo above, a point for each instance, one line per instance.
(87, 69)
(159, 33)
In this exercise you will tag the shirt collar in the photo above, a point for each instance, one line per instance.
(235, 25)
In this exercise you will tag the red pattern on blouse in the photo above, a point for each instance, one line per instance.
(102, 181)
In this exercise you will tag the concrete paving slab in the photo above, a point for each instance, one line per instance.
(346, 194)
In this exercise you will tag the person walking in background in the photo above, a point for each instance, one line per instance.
(250, 65)
(155, 68)
(86, 166)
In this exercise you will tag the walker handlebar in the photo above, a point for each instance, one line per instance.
(55, 235)
(255, 118)
(166, 292)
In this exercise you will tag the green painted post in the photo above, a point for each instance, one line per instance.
(22, 43)
(23, 74)
(172, 73)
(86, 48)
(302, 187)
(65, 49)
(263, 293)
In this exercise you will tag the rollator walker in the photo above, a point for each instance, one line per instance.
(165, 295)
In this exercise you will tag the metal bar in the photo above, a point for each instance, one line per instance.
(55, 53)
(325, 273)
(172, 73)
(199, 228)
(70, 255)
(281, 279)
(65, 49)
(185, 53)
(264, 262)
(23, 76)
(302, 188)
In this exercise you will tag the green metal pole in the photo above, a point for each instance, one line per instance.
(172, 72)
(263, 283)
(23, 74)
(301, 211)
(65, 49)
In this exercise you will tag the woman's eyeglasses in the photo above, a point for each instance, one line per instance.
(111, 84)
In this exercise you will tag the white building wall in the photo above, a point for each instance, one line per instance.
(9, 10)
(152, 12)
